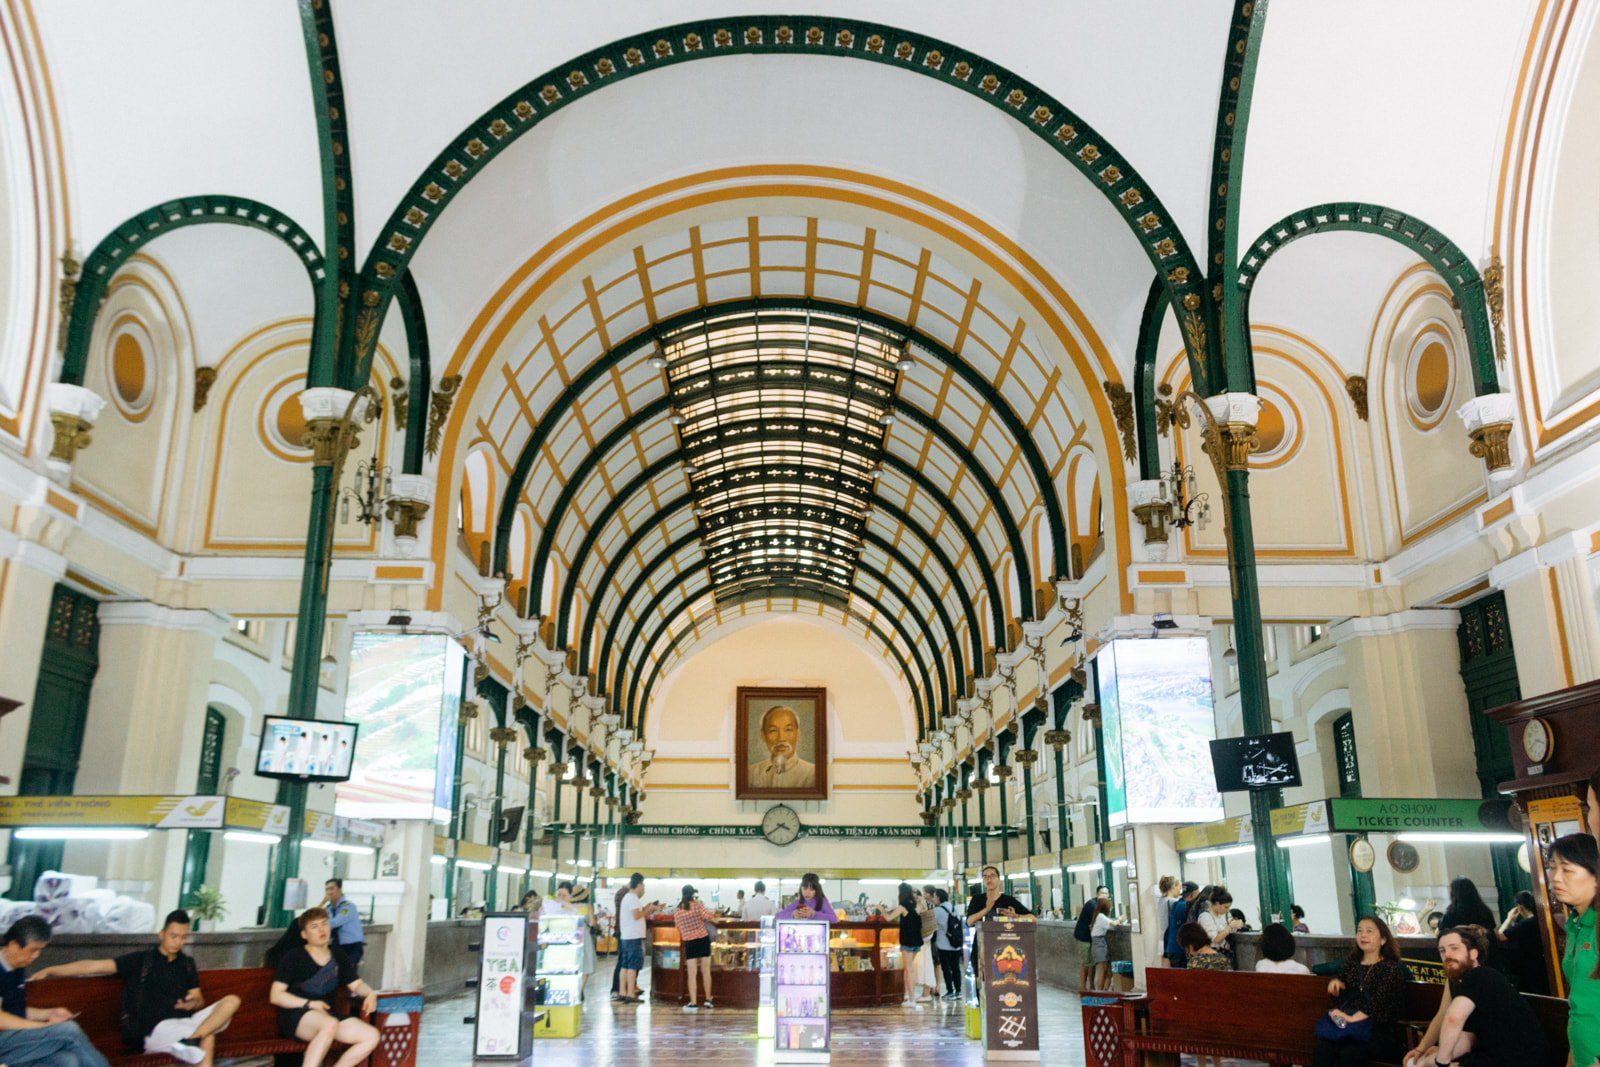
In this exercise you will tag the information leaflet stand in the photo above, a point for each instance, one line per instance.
(498, 1032)
(558, 969)
(1010, 981)
(765, 1021)
(800, 992)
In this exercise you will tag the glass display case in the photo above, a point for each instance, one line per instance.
(558, 975)
(803, 989)
(859, 974)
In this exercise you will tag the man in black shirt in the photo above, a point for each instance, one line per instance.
(994, 904)
(163, 1009)
(1488, 1023)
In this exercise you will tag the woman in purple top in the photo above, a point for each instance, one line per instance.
(812, 903)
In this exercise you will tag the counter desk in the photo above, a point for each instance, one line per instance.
(864, 958)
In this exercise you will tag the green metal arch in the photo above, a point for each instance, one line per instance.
(330, 338)
(925, 717)
(1056, 520)
(126, 239)
(1440, 253)
(1146, 353)
(421, 375)
(1074, 140)
(946, 689)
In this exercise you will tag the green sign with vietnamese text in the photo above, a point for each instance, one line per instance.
(734, 830)
(1395, 815)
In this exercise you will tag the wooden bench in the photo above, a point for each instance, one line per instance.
(1246, 1015)
(253, 1030)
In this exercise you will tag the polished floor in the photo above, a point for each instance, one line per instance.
(620, 1035)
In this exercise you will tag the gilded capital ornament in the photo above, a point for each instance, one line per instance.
(1057, 739)
(204, 379)
(1027, 757)
(1488, 420)
(1152, 513)
(981, 784)
(503, 735)
(1002, 771)
(965, 794)
(73, 410)
(534, 755)
(1091, 713)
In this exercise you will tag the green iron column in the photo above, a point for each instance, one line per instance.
(1003, 787)
(468, 712)
(594, 843)
(558, 770)
(1057, 740)
(982, 786)
(577, 812)
(1027, 757)
(965, 796)
(502, 736)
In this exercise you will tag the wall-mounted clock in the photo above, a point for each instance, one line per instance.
(1363, 857)
(1403, 856)
(780, 825)
(1538, 741)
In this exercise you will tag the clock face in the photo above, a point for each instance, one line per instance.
(1362, 855)
(780, 825)
(1537, 741)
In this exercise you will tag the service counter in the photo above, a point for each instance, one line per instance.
(864, 958)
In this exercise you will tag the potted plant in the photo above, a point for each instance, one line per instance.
(206, 904)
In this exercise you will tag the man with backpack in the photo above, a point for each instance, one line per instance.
(947, 944)
(163, 1009)
(1081, 934)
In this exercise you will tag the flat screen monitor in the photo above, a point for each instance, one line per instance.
(1156, 717)
(1264, 762)
(405, 691)
(306, 750)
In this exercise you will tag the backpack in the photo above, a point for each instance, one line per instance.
(133, 995)
(952, 926)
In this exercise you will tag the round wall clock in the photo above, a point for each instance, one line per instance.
(780, 825)
(1363, 857)
(1404, 857)
(1538, 741)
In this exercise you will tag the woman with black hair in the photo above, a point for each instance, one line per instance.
(910, 922)
(1466, 907)
(1369, 989)
(692, 919)
(1574, 866)
(1277, 952)
(810, 903)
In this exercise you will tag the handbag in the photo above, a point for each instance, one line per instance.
(1328, 1029)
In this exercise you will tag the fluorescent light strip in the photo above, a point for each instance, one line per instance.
(334, 846)
(77, 833)
(879, 881)
(1048, 872)
(1447, 838)
(1299, 842)
(1118, 863)
(1080, 868)
(1220, 853)
(506, 868)
(251, 836)
(440, 860)
(472, 865)
(543, 874)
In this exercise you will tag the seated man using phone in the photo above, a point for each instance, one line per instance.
(163, 1009)
(994, 904)
(35, 1035)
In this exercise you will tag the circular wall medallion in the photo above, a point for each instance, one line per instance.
(132, 378)
(1363, 857)
(1430, 379)
(282, 422)
(1404, 857)
(1278, 429)
(1538, 741)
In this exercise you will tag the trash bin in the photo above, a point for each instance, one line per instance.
(1122, 975)
(398, 1018)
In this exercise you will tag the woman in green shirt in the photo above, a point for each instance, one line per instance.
(1575, 881)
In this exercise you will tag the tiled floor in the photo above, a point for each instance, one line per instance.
(626, 1035)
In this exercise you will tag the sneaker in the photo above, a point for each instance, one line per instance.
(690, 1007)
(186, 1051)
(707, 1005)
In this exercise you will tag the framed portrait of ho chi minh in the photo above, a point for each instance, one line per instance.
(781, 744)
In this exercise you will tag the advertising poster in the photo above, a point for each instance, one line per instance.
(501, 973)
(1011, 991)
(404, 692)
(1158, 724)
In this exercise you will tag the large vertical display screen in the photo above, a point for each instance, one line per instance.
(405, 692)
(1157, 718)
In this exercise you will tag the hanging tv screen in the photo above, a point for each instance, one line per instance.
(405, 692)
(1265, 762)
(306, 750)
(1157, 722)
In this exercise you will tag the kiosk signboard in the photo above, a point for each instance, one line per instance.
(502, 971)
(1010, 982)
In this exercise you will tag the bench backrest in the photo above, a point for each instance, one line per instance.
(99, 1004)
(1276, 1010)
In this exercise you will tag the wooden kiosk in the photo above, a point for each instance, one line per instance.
(1555, 747)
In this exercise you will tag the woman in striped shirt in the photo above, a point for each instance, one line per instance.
(691, 917)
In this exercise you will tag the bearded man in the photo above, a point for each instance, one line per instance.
(783, 768)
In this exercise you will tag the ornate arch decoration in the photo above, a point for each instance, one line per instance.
(638, 698)
(1440, 253)
(1074, 140)
(928, 698)
(115, 248)
(421, 375)
(673, 507)
(1146, 354)
(1015, 426)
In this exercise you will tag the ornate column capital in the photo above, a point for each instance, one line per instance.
(1235, 416)
(1027, 757)
(324, 409)
(1153, 514)
(73, 411)
(1488, 420)
(410, 497)
(1057, 739)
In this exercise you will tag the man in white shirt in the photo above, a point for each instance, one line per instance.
(758, 907)
(631, 914)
